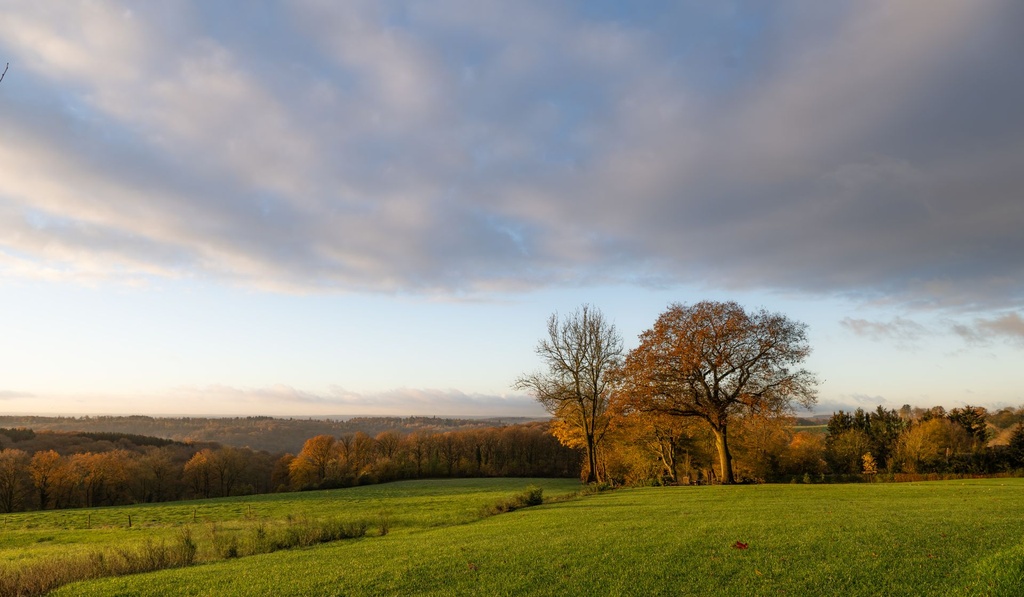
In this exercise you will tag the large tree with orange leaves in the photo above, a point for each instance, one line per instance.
(579, 353)
(714, 360)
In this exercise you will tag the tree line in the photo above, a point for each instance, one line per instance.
(909, 443)
(965, 440)
(709, 394)
(69, 470)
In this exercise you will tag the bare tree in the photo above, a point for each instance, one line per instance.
(579, 352)
(713, 360)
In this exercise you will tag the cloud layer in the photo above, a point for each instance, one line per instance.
(864, 148)
(278, 400)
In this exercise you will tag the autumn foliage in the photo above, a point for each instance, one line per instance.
(80, 471)
(715, 362)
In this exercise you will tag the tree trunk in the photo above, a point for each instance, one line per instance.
(592, 476)
(724, 458)
(667, 452)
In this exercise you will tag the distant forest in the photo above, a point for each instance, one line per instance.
(64, 468)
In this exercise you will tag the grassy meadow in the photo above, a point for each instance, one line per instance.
(936, 538)
(30, 538)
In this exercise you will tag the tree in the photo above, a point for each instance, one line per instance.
(713, 361)
(846, 451)
(761, 443)
(1016, 445)
(805, 455)
(450, 448)
(228, 464)
(579, 352)
(929, 445)
(157, 475)
(104, 476)
(870, 466)
(972, 419)
(650, 446)
(198, 471)
(851, 435)
(47, 470)
(317, 460)
(13, 478)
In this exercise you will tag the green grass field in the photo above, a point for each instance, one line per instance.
(938, 538)
(31, 536)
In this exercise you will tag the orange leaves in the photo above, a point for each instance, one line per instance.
(713, 360)
(568, 433)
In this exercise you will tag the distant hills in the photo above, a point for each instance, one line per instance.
(275, 435)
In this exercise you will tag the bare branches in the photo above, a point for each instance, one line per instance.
(5, 71)
(578, 353)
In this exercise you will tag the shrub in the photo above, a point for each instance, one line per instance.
(39, 578)
(186, 548)
(533, 496)
(383, 524)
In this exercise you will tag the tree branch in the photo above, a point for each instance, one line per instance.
(5, 71)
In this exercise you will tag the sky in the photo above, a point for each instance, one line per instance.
(310, 208)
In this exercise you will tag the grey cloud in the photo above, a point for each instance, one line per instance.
(902, 331)
(1008, 327)
(866, 148)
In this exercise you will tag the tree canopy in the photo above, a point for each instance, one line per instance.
(714, 360)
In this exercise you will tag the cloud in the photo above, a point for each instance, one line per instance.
(1008, 327)
(869, 149)
(903, 331)
(851, 402)
(14, 395)
(287, 400)
(279, 400)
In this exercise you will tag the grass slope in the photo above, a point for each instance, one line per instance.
(939, 538)
(30, 537)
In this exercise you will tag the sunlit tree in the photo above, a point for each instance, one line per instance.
(714, 361)
(579, 353)
(317, 460)
(49, 471)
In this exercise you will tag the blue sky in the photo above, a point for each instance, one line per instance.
(302, 208)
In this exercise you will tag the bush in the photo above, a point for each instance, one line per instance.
(533, 496)
(186, 548)
(383, 524)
